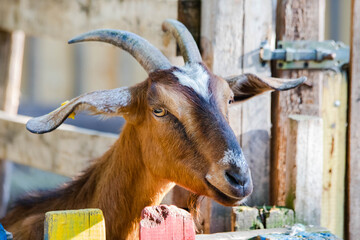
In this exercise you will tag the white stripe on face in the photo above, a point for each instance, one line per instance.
(195, 76)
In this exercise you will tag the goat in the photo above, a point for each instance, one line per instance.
(176, 132)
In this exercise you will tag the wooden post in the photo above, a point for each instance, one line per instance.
(166, 223)
(296, 20)
(11, 56)
(75, 224)
(353, 167)
(230, 42)
(323, 95)
(334, 120)
(304, 162)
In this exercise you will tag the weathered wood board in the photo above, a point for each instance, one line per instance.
(304, 163)
(11, 59)
(353, 166)
(81, 224)
(66, 18)
(295, 20)
(66, 151)
(231, 33)
(276, 234)
(166, 223)
(334, 111)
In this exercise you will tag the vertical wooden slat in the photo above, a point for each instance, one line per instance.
(353, 202)
(255, 121)
(296, 20)
(231, 34)
(11, 55)
(304, 159)
(334, 108)
(222, 44)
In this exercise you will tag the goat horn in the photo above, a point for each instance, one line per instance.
(186, 42)
(150, 58)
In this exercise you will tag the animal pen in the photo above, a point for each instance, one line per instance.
(303, 145)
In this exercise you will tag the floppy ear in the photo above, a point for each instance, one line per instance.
(109, 102)
(248, 85)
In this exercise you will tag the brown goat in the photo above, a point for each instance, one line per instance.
(176, 131)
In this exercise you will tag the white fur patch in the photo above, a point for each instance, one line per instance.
(195, 76)
(230, 157)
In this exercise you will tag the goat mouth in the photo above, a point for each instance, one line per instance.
(223, 197)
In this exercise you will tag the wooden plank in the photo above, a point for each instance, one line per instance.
(166, 223)
(11, 59)
(246, 235)
(65, 18)
(334, 111)
(65, 151)
(296, 20)
(304, 161)
(353, 166)
(227, 50)
(255, 119)
(221, 41)
(81, 224)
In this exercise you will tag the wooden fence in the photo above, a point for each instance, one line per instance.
(230, 35)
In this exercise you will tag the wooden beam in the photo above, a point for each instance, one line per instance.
(296, 20)
(256, 112)
(75, 224)
(353, 166)
(304, 162)
(64, 19)
(166, 223)
(278, 233)
(65, 151)
(11, 59)
(334, 111)
(228, 50)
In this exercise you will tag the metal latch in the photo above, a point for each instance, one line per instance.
(307, 54)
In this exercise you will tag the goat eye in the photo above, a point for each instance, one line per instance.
(231, 101)
(159, 112)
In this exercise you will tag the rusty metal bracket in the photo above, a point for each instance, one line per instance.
(307, 54)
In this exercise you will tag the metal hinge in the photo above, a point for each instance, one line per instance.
(307, 54)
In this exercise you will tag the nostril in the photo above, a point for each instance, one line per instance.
(236, 179)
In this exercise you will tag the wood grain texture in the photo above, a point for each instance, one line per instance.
(353, 196)
(231, 34)
(222, 44)
(296, 20)
(256, 112)
(334, 111)
(66, 18)
(81, 224)
(66, 151)
(304, 161)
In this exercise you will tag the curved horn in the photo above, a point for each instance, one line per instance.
(150, 58)
(186, 42)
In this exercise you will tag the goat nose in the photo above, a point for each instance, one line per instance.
(237, 178)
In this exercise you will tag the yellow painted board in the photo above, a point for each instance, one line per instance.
(334, 112)
(84, 224)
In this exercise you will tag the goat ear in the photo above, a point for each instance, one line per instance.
(248, 85)
(109, 102)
